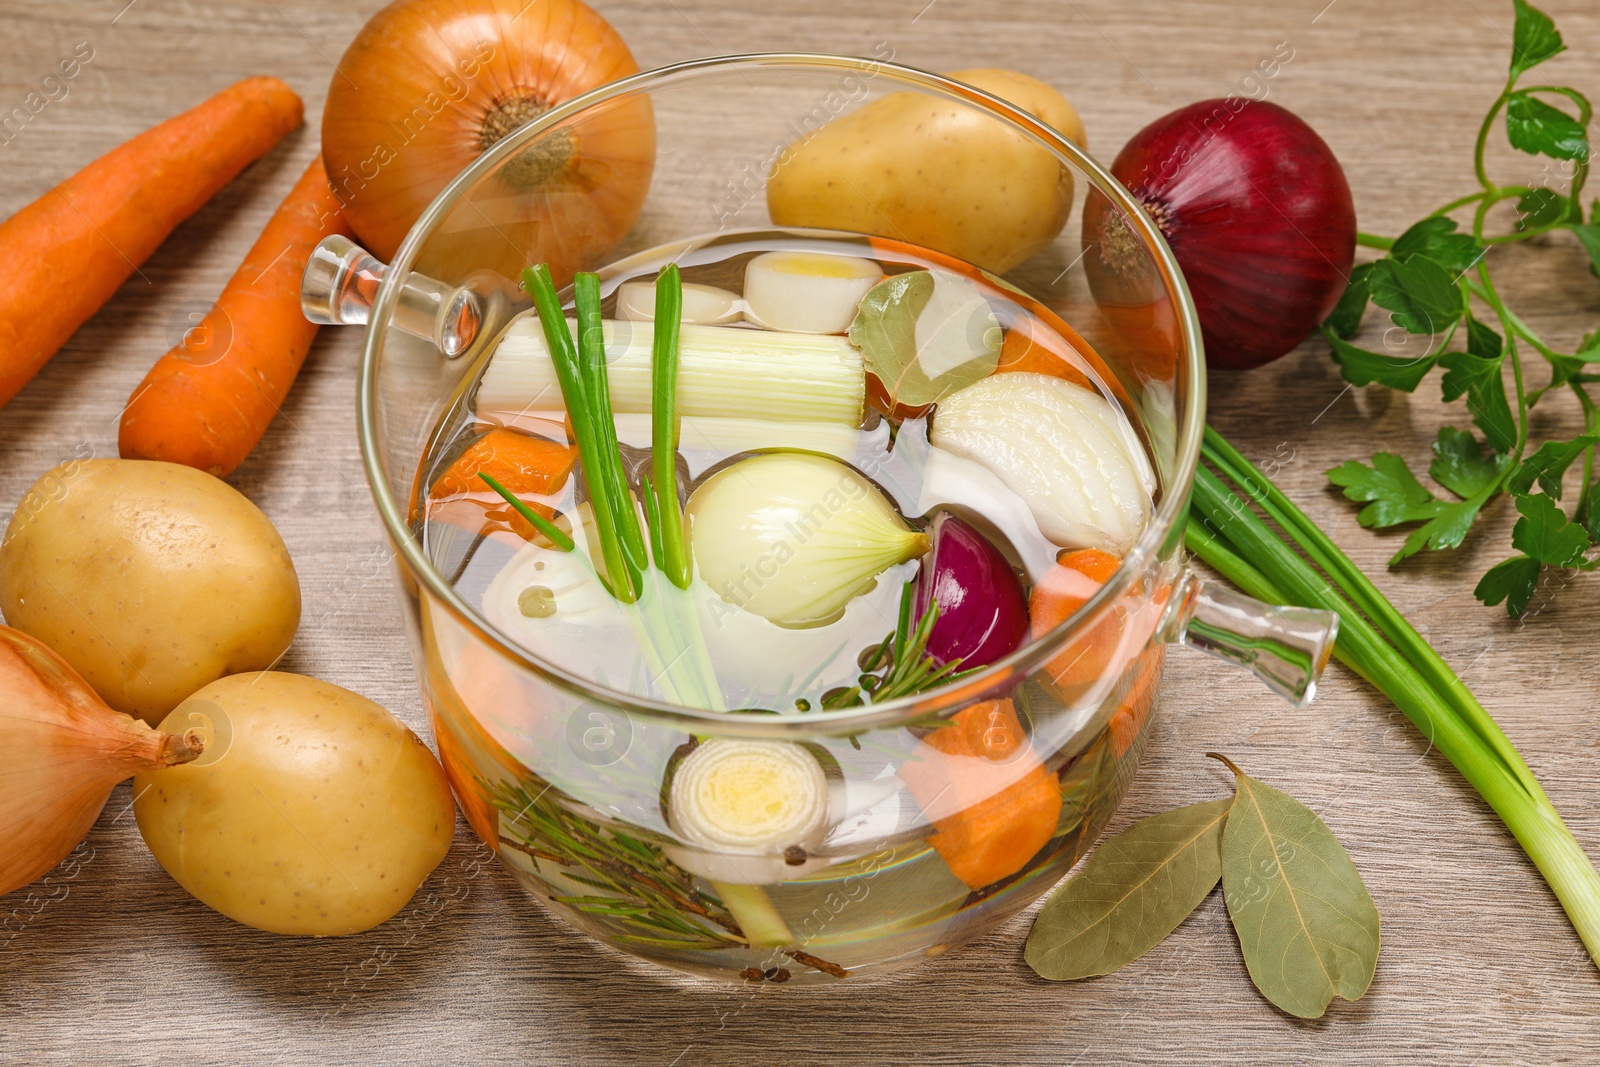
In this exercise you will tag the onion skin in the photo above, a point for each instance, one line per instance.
(64, 750)
(983, 616)
(1258, 213)
(424, 86)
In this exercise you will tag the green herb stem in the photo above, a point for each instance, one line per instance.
(1372, 240)
(1354, 583)
(620, 577)
(556, 535)
(597, 392)
(672, 552)
(1231, 533)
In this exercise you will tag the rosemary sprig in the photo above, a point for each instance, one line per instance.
(902, 657)
(652, 899)
(644, 891)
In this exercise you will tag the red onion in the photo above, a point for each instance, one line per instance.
(1257, 211)
(983, 615)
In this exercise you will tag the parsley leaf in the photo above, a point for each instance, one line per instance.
(1361, 367)
(1460, 465)
(1394, 496)
(1548, 464)
(1435, 237)
(1535, 39)
(1540, 207)
(1475, 374)
(1513, 580)
(1545, 533)
(1345, 318)
(1421, 295)
(1536, 128)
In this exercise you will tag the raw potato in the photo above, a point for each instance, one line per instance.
(151, 579)
(313, 810)
(935, 173)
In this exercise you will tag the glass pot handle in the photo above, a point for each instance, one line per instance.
(1286, 647)
(341, 282)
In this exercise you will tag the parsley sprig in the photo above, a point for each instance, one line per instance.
(1435, 281)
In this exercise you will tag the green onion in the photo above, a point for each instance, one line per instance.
(672, 553)
(538, 521)
(1377, 643)
(597, 392)
(622, 577)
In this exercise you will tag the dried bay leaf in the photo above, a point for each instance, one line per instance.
(1307, 927)
(1133, 891)
(925, 334)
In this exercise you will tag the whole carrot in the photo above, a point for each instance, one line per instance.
(207, 402)
(63, 255)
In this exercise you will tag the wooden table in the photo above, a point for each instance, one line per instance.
(1479, 965)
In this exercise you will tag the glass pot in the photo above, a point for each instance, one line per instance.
(567, 779)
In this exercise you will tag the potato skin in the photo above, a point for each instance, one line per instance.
(313, 811)
(935, 173)
(151, 579)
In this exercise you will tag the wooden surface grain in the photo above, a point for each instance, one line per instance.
(114, 964)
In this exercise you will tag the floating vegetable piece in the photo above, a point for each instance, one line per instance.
(315, 812)
(794, 537)
(935, 172)
(983, 616)
(951, 481)
(1065, 450)
(722, 371)
(526, 466)
(429, 85)
(742, 805)
(64, 751)
(1258, 214)
(703, 305)
(1307, 926)
(1030, 345)
(1133, 710)
(1131, 893)
(1054, 598)
(552, 602)
(807, 292)
(151, 579)
(924, 335)
(988, 795)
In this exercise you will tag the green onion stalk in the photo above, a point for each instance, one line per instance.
(1378, 643)
(665, 621)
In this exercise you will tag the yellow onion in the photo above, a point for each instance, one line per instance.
(793, 537)
(429, 85)
(64, 750)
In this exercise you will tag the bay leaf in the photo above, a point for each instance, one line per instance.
(925, 334)
(1133, 891)
(1306, 924)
